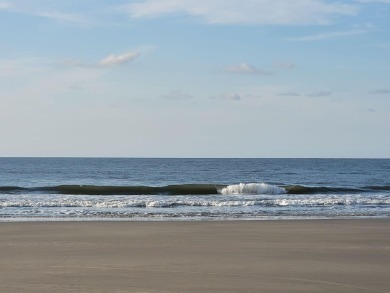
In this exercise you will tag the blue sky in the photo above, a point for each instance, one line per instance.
(185, 78)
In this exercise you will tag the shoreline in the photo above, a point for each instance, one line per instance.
(323, 255)
(189, 219)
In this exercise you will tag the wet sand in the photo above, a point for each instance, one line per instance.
(231, 256)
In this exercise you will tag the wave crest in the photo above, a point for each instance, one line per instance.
(252, 188)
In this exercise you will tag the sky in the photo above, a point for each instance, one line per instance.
(195, 78)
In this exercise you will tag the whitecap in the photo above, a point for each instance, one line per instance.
(252, 188)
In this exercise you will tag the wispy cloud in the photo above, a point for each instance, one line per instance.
(374, 1)
(5, 5)
(329, 35)
(244, 68)
(115, 60)
(310, 94)
(380, 91)
(109, 61)
(27, 8)
(319, 94)
(229, 97)
(290, 94)
(263, 12)
(177, 95)
(66, 17)
(237, 96)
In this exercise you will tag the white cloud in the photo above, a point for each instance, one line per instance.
(329, 35)
(114, 60)
(381, 91)
(268, 12)
(110, 61)
(245, 68)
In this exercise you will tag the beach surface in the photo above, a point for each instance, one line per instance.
(214, 256)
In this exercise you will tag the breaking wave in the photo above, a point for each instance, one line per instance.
(252, 188)
(190, 189)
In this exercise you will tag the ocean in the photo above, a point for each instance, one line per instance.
(93, 189)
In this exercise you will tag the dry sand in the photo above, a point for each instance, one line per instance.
(231, 256)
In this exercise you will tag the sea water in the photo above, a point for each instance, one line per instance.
(192, 189)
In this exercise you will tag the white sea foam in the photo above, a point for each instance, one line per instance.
(247, 199)
(252, 188)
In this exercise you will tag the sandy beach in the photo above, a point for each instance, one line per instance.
(230, 256)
